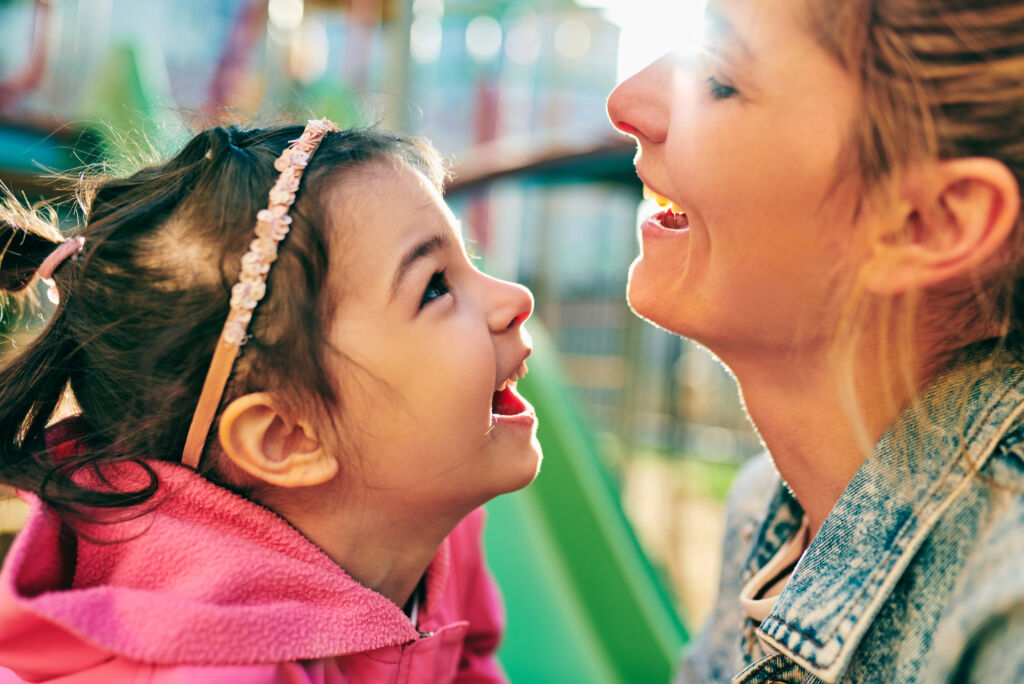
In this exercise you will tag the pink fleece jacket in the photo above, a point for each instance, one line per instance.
(210, 587)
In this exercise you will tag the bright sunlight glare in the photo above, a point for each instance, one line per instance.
(650, 28)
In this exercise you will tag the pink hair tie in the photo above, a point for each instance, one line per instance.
(70, 248)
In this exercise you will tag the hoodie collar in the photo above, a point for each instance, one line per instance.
(932, 452)
(206, 577)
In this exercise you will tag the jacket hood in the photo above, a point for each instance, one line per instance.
(207, 577)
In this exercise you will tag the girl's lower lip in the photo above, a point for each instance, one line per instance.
(652, 229)
(526, 417)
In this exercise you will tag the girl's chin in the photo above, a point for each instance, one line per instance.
(526, 470)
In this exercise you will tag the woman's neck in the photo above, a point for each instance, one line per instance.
(818, 433)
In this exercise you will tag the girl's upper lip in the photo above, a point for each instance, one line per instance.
(522, 359)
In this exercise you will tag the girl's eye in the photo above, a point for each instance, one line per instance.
(437, 287)
(719, 90)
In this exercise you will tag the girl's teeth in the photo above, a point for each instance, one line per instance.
(515, 376)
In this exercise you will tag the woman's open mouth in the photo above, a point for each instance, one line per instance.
(671, 216)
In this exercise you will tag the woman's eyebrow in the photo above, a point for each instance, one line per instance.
(434, 243)
(721, 34)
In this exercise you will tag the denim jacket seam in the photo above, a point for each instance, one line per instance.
(783, 623)
(933, 498)
(878, 579)
(776, 662)
(857, 602)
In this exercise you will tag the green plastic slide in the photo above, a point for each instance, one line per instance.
(583, 602)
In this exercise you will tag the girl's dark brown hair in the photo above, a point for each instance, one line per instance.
(141, 308)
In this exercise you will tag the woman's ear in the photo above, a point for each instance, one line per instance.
(955, 216)
(260, 439)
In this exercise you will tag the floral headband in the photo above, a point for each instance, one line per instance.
(272, 225)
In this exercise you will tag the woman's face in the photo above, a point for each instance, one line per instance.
(748, 140)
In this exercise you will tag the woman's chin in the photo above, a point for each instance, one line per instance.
(652, 303)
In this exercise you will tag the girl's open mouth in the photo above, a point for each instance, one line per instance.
(506, 402)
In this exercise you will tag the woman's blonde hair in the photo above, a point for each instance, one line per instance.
(939, 79)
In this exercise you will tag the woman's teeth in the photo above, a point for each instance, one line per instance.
(672, 216)
(663, 202)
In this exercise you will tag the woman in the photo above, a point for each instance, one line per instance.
(841, 227)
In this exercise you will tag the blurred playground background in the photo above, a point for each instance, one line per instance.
(608, 561)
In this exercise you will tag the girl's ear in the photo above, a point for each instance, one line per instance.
(955, 216)
(261, 440)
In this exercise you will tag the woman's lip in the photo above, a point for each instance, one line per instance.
(651, 229)
(649, 186)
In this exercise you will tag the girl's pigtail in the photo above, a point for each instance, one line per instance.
(32, 382)
(21, 254)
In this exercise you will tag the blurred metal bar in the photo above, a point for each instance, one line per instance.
(609, 159)
(250, 25)
(401, 28)
(31, 75)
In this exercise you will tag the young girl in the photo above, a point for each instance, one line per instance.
(841, 182)
(279, 434)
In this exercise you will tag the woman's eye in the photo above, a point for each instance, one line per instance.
(719, 90)
(437, 287)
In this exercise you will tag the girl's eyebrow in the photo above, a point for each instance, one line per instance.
(434, 243)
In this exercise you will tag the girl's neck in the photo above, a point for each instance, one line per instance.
(380, 550)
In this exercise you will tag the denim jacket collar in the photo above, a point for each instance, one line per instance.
(914, 473)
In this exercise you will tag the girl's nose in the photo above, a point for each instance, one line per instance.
(639, 105)
(509, 306)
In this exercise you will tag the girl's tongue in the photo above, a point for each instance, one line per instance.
(507, 403)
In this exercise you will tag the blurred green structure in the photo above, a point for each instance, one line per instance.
(583, 602)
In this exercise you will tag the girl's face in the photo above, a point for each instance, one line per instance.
(429, 339)
(747, 139)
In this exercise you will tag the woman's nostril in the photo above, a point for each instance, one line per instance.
(627, 128)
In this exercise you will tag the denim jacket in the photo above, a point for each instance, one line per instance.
(917, 574)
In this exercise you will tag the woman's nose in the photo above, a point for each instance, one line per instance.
(509, 307)
(639, 105)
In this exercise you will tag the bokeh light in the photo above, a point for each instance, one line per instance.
(572, 39)
(651, 28)
(483, 38)
(522, 44)
(425, 38)
(285, 15)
